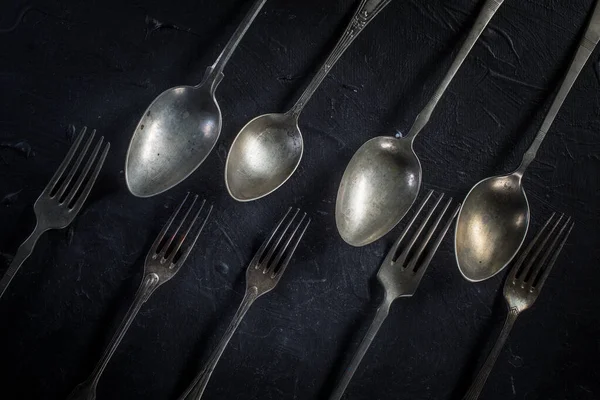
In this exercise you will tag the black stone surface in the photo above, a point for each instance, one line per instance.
(65, 64)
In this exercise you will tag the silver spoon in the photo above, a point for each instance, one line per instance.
(180, 128)
(383, 178)
(267, 151)
(494, 218)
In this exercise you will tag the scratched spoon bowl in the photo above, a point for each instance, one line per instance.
(493, 224)
(267, 151)
(382, 180)
(175, 135)
(180, 127)
(383, 165)
(263, 156)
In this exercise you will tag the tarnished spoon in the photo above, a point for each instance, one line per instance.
(494, 218)
(383, 178)
(180, 128)
(267, 151)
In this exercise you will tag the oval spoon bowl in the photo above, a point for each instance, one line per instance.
(183, 124)
(378, 187)
(263, 156)
(491, 227)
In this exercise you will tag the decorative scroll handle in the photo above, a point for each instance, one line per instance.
(366, 11)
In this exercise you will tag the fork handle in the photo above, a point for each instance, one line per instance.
(380, 316)
(477, 385)
(196, 389)
(23, 253)
(87, 389)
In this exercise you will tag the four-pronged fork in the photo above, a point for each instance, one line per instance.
(62, 198)
(523, 286)
(165, 258)
(263, 274)
(401, 273)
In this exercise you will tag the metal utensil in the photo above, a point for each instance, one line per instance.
(262, 275)
(401, 273)
(267, 151)
(180, 128)
(62, 198)
(383, 178)
(523, 286)
(165, 258)
(494, 218)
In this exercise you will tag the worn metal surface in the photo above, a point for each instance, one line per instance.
(67, 63)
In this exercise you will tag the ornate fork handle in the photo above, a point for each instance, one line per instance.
(23, 253)
(87, 389)
(195, 391)
(366, 11)
(477, 385)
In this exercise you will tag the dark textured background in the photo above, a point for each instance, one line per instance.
(69, 63)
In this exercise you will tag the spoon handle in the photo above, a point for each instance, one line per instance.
(485, 15)
(219, 65)
(380, 316)
(477, 385)
(366, 11)
(586, 47)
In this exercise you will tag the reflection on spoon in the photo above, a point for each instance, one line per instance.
(494, 218)
(180, 128)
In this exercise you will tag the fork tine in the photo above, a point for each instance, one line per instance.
(526, 273)
(414, 263)
(516, 269)
(271, 267)
(161, 235)
(262, 248)
(189, 247)
(421, 227)
(394, 249)
(82, 176)
(167, 246)
(280, 237)
(65, 184)
(61, 169)
(91, 180)
(278, 272)
(540, 274)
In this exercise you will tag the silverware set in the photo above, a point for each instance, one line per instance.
(379, 187)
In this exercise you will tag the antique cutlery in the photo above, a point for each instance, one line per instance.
(62, 198)
(523, 286)
(180, 128)
(165, 258)
(383, 178)
(262, 275)
(401, 273)
(267, 151)
(494, 218)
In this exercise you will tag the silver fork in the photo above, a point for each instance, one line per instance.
(400, 274)
(262, 275)
(61, 201)
(165, 258)
(523, 286)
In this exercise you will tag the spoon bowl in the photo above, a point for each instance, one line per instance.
(263, 156)
(175, 135)
(491, 226)
(387, 167)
